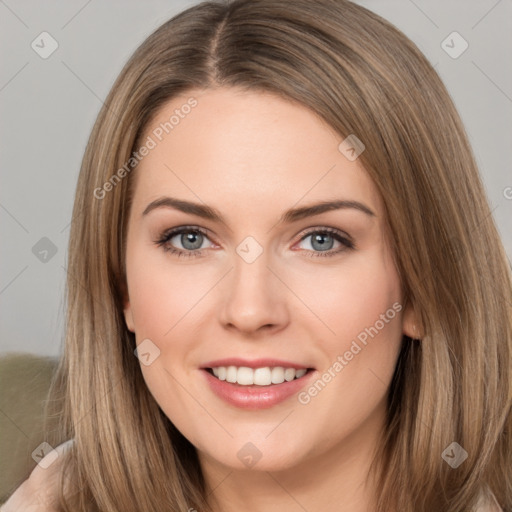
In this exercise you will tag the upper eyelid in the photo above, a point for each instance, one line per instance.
(172, 232)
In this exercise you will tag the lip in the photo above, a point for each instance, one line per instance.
(255, 363)
(255, 397)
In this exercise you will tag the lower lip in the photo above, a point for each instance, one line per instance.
(255, 397)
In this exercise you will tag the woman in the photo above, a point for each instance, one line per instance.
(337, 336)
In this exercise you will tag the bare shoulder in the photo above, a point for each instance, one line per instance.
(38, 492)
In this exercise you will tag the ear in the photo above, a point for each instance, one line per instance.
(410, 324)
(127, 308)
(128, 316)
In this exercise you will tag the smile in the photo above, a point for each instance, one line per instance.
(256, 384)
(265, 376)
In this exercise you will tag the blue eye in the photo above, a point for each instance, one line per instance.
(323, 240)
(192, 239)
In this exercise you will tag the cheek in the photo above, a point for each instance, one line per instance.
(347, 400)
(162, 299)
(352, 296)
(161, 293)
(360, 302)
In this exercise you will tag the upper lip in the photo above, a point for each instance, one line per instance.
(255, 363)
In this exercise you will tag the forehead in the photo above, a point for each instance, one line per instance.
(246, 149)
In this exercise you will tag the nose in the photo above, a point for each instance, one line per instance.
(254, 298)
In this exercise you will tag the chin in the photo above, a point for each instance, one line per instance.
(257, 456)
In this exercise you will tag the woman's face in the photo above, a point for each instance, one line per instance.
(260, 285)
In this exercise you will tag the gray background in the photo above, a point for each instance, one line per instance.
(48, 106)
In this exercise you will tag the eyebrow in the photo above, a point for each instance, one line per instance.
(291, 215)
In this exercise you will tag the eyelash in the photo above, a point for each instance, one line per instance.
(164, 239)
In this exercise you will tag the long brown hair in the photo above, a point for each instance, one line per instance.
(363, 77)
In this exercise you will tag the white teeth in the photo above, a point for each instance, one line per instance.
(277, 375)
(231, 374)
(259, 376)
(263, 376)
(289, 374)
(245, 376)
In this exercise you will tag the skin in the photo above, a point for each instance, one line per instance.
(39, 492)
(253, 155)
